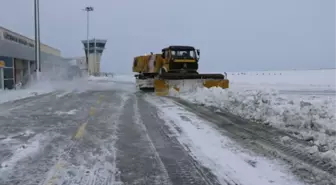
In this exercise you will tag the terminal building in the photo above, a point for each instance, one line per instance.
(17, 59)
(96, 48)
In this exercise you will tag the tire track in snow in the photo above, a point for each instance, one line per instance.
(137, 158)
(181, 167)
(137, 119)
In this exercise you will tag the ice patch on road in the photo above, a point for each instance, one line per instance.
(20, 152)
(10, 140)
(70, 112)
(218, 153)
(28, 133)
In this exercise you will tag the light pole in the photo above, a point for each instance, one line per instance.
(37, 38)
(88, 9)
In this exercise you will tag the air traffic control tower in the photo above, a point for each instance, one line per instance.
(96, 48)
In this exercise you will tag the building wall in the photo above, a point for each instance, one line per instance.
(15, 50)
(25, 41)
(94, 63)
(18, 52)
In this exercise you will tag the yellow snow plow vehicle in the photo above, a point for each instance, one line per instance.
(175, 68)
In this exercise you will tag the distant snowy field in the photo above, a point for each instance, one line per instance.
(287, 80)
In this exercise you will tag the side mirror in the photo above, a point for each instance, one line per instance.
(162, 55)
(198, 52)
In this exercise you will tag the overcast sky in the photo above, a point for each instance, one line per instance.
(233, 35)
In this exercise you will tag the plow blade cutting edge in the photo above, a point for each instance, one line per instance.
(163, 86)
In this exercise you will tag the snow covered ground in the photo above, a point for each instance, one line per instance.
(300, 102)
(115, 78)
(294, 79)
(230, 163)
(277, 103)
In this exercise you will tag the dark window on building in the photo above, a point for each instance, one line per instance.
(9, 84)
(99, 51)
(8, 73)
(100, 45)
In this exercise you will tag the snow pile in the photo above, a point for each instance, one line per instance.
(114, 78)
(311, 118)
(34, 90)
(124, 78)
(47, 86)
(100, 78)
(229, 162)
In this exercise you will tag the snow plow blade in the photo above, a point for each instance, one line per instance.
(187, 82)
(161, 87)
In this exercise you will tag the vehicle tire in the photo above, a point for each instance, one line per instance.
(162, 71)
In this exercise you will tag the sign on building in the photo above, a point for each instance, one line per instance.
(2, 63)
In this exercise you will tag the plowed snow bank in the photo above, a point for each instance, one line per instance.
(311, 118)
(224, 157)
(115, 78)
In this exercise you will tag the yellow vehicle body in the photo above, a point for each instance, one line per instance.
(140, 63)
(174, 69)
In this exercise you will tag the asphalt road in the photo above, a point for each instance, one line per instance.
(94, 137)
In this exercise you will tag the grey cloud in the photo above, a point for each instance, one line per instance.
(232, 35)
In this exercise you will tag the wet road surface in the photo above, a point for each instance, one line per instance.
(93, 137)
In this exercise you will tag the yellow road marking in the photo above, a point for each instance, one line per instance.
(54, 176)
(100, 99)
(80, 131)
(79, 134)
(92, 111)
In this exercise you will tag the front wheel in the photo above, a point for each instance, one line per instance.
(162, 71)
